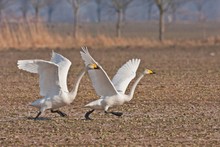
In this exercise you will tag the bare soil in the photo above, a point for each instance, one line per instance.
(179, 105)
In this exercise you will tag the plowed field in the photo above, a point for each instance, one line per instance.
(180, 104)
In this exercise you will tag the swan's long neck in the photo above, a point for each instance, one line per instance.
(73, 92)
(131, 94)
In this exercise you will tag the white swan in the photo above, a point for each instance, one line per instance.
(112, 92)
(53, 82)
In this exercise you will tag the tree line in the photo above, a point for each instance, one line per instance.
(118, 8)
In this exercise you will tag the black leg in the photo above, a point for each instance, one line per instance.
(117, 113)
(37, 115)
(88, 113)
(59, 112)
(114, 113)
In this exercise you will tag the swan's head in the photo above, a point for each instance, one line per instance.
(148, 71)
(92, 66)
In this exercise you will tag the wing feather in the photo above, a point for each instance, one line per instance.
(100, 80)
(125, 74)
(48, 72)
(64, 66)
(87, 57)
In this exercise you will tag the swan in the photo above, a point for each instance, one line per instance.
(112, 93)
(53, 82)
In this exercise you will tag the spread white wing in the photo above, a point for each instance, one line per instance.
(48, 72)
(100, 80)
(53, 74)
(64, 66)
(125, 74)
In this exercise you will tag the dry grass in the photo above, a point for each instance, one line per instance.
(30, 35)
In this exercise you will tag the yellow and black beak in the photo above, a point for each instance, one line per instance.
(93, 66)
(150, 71)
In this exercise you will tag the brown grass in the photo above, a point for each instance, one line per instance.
(30, 35)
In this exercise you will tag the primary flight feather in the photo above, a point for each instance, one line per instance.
(125, 74)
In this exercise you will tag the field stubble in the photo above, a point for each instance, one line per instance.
(177, 105)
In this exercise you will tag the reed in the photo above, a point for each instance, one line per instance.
(36, 36)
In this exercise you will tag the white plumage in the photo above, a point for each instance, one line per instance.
(53, 82)
(125, 74)
(48, 72)
(112, 92)
(100, 79)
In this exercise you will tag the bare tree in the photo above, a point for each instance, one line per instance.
(37, 5)
(76, 4)
(163, 6)
(103, 8)
(4, 4)
(120, 7)
(100, 6)
(98, 9)
(149, 5)
(175, 5)
(200, 4)
(24, 7)
(51, 4)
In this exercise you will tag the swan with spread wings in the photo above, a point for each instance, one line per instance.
(53, 82)
(111, 92)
